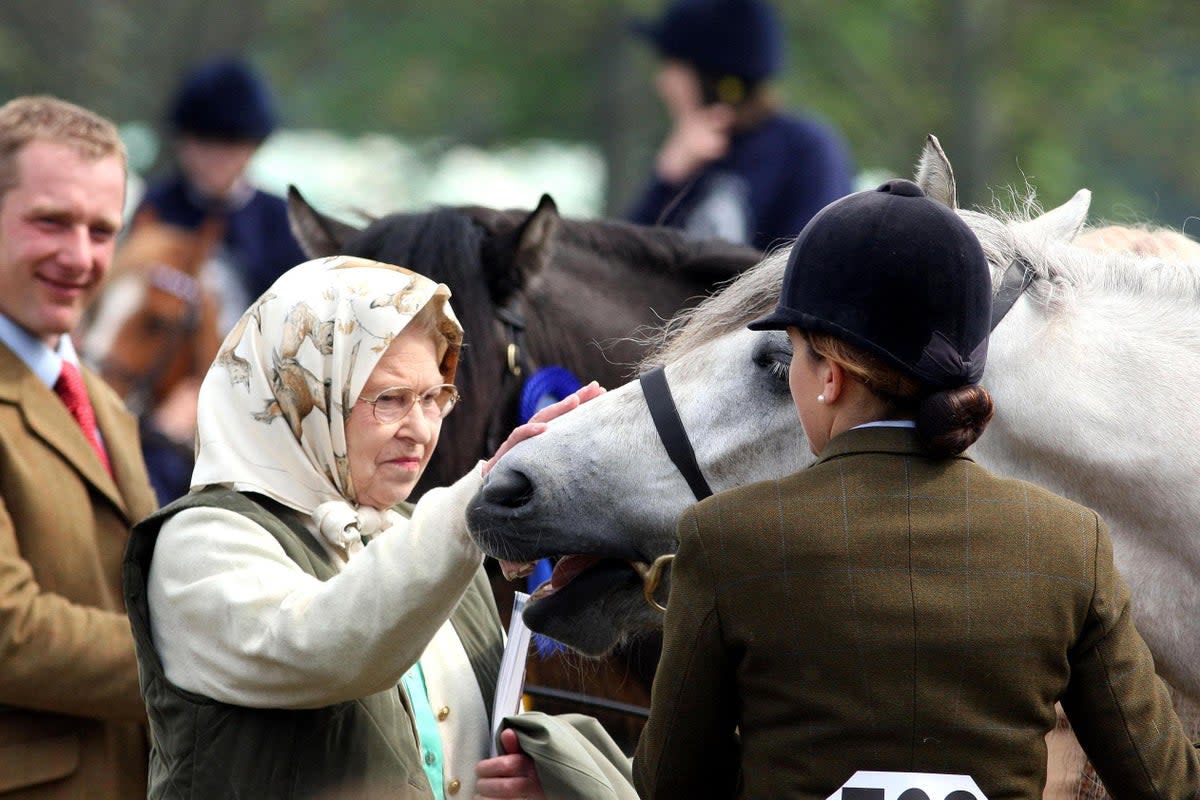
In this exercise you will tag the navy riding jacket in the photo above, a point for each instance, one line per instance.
(257, 236)
(774, 178)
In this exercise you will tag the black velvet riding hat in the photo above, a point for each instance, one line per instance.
(224, 98)
(719, 37)
(897, 274)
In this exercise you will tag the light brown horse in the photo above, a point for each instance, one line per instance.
(154, 325)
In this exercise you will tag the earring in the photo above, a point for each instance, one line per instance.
(820, 398)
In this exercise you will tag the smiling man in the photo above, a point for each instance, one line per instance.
(72, 480)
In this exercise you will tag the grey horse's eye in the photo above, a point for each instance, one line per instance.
(775, 360)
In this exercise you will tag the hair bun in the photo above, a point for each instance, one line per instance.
(951, 420)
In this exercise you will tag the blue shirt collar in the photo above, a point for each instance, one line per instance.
(41, 360)
(888, 423)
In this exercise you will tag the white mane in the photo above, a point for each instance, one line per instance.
(1063, 272)
(751, 295)
(1063, 275)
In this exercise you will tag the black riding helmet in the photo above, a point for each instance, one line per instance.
(224, 99)
(897, 274)
(742, 38)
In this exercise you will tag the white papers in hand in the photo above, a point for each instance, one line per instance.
(511, 682)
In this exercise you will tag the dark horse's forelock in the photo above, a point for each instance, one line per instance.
(442, 245)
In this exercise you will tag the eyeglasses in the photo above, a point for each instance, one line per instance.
(391, 405)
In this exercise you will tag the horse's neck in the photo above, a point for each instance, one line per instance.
(556, 337)
(1094, 399)
(603, 322)
(1093, 402)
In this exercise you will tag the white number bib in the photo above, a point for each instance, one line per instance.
(864, 785)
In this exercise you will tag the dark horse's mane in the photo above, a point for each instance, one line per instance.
(627, 242)
(667, 250)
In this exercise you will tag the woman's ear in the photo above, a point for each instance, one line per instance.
(833, 379)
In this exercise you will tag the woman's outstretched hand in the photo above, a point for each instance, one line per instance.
(513, 775)
(537, 423)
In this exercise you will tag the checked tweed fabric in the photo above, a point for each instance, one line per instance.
(883, 610)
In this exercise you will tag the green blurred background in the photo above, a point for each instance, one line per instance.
(391, 105)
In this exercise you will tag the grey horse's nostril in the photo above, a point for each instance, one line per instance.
(509, 488)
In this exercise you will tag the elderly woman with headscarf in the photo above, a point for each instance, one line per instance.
(279, 605)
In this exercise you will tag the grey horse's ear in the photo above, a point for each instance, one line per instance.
(318, 235)
(1061, 224)
(935, 176)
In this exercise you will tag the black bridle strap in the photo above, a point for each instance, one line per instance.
(512, 377)
(1015, 281)
(671, 432)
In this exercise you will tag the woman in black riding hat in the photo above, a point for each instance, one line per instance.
(894, 607)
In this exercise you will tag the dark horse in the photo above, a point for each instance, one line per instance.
(534, 289)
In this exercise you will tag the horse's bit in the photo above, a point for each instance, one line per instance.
(511, 379)
(652, 575)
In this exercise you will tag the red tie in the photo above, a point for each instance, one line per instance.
(70, 388)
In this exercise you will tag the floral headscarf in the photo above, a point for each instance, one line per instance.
(273, 406)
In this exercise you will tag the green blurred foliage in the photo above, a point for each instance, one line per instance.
(1053, 94)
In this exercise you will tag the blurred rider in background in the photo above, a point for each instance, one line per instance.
(734, 166)
(221, 114)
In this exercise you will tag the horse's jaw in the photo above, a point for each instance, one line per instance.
(597, 607)
(536, 504)
(596, 611)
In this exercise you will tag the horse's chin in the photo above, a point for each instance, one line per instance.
(598, 609)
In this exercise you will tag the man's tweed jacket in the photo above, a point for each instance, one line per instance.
(883, 610)
(71, 717)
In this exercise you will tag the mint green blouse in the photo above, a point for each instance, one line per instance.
(432, 757)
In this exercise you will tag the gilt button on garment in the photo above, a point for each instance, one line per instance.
(442, 713)
(453, 786)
